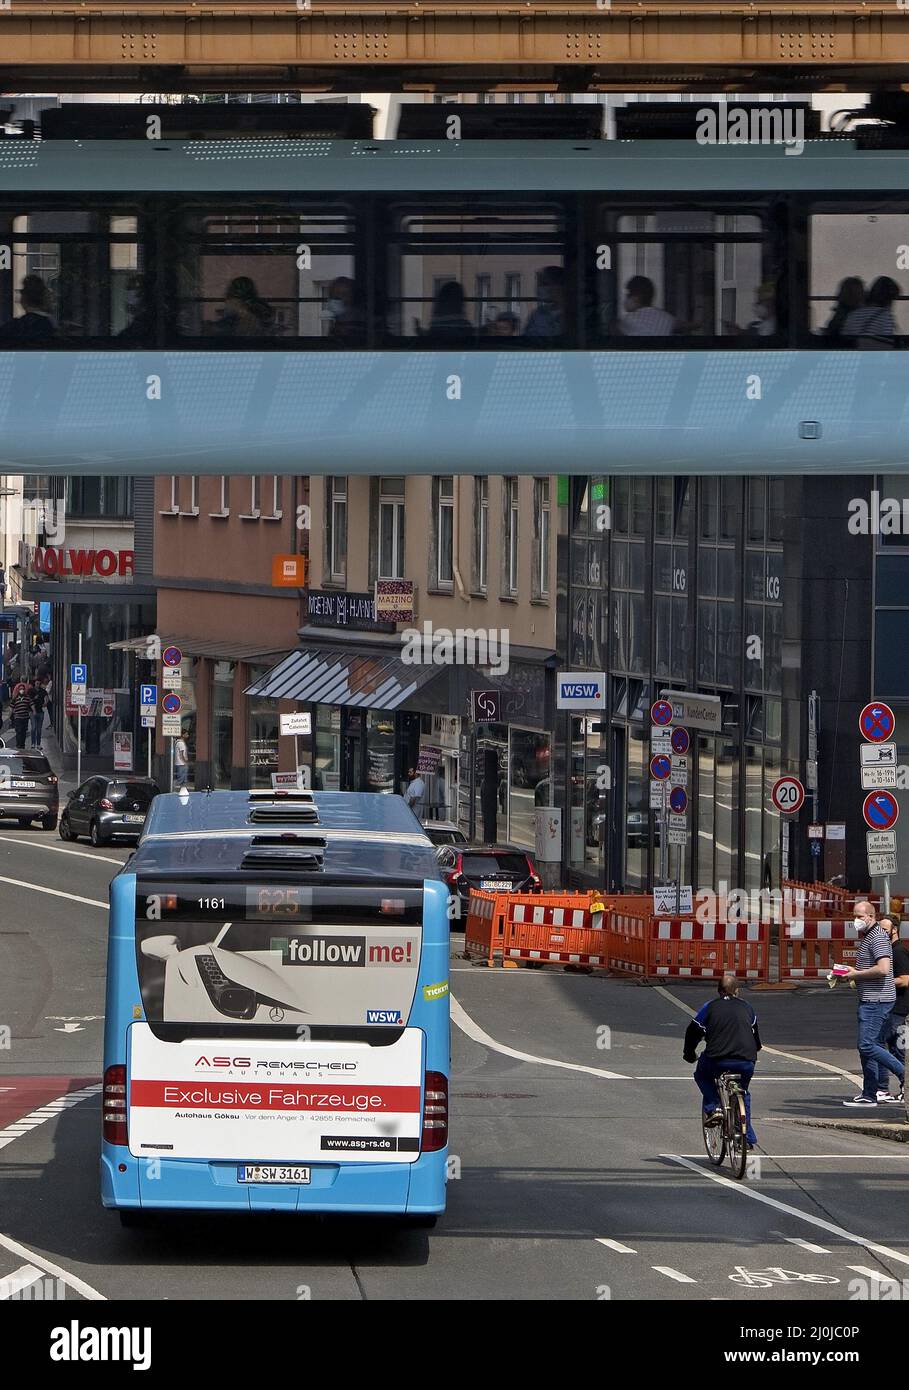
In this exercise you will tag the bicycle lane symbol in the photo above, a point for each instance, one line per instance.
(774, 1274)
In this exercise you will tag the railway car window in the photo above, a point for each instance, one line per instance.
(493, 275)
(858, 296)
(267, 273)
(684, 273)
(74, 274)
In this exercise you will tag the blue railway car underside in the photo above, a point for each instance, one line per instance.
(531, 411)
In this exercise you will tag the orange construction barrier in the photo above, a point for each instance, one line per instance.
(627, 939)
(809, 949)
(554, 927)
(826, 899)
(708, 950)
(485, 926)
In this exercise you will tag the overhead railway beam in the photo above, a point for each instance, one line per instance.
(451, 45)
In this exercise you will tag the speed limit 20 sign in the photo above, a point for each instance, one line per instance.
(788, 795)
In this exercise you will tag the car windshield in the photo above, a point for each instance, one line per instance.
(131, 793)
(488, 865)
(24, 765)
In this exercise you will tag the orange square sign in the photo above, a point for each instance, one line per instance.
(288, 571)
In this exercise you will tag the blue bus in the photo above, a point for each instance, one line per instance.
(277, 1018)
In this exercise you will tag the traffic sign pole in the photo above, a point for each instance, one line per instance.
(79, 729)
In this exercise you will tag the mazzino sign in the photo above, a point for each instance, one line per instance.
(581, 690)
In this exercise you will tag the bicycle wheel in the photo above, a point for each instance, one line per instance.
(715, 1142)
(737, 1143)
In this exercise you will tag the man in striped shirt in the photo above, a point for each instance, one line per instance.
(873, 975)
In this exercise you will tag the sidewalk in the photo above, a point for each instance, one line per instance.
(51, 750)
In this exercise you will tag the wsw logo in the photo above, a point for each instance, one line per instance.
(384, 1016)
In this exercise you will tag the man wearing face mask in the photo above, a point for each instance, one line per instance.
(873, 975)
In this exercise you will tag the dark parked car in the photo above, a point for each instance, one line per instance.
(495, 868)
(108, 806)
(28, 788)
(444, 832)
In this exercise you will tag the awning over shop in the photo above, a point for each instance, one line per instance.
(332, 676)
(200, 646)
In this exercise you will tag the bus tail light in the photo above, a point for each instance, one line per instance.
(435, 1112)
(113, 1105)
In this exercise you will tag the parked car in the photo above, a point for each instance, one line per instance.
(444, 832)
(28, 788)
(106, 807)
(494, 868)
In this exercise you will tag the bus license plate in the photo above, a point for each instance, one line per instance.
(271, 1172)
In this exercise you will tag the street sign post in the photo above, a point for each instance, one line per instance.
(661, 713)
(172, 656)
(881, 810)
(680, 740)
(172, 677)
(660, 767)
(148, 703)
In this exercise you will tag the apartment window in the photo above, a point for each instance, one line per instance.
(192, 488)
(276, 489)
(223, 498)
(255, 500)
(93, 496)
(174, 505)
(391, 528)
(444, 531)
(481, 534)
(336, 519)
(541, 537)
(510, 530)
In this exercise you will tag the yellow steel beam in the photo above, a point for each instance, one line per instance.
(390, 44)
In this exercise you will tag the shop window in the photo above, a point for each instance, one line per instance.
(263, 734)
(222, 723)
(529, 783)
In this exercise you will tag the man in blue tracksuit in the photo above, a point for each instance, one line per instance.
(729, 1027)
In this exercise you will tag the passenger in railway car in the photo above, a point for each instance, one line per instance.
(548, 318)
(505, 325)
(641, 319)
(449, 323)
(35, 321)
(849, 296)
(341, 307)
(245, 315)
(140, 327)
(764, 324)
(873, 325)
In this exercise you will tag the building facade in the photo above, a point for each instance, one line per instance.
(461, 685)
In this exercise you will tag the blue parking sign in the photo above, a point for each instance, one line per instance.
(78, 673)
(148, 694)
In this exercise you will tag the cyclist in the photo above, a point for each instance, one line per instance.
(729, 1027)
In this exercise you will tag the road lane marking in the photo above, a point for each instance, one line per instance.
(615, 1245)
(818, 1221)
(761, 1077)
(473, 1030)
(72, 1281)
(842, 1157)
(673, 1274)
(873, 1274)
(26, 1123)
(22, 1278)
(54, 892)
(58, 849)
(773, 1051)
(806, 1245)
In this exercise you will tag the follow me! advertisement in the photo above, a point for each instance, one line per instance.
(266, 956)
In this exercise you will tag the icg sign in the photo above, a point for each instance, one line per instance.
(581, 690)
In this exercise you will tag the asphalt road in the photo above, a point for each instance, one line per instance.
(576, 1145)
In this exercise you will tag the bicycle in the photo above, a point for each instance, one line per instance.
(731, 1137)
